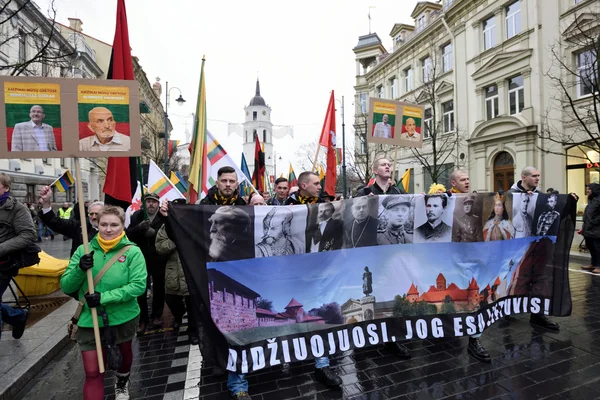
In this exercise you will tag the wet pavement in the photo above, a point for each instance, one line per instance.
(528, 363)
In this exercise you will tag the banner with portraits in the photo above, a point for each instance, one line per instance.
(272, 285)
(395, 123)
(57, 118)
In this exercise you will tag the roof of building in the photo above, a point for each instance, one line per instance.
(257, 100)
(293, 303)
(473, 285)
(265, 312)
(413, 290)
(368, 40)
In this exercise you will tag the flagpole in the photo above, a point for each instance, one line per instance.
(395, 158)
(141, 173)
(86, 248)
(316, 156)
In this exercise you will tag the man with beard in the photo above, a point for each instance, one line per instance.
(309, 188)
(549, 221)
(395, 216)
(70, 228)
(382, 168)
(225, 192)
(281, 192)
(277, 237)
(142, 231)
(468, 227)
(229, 229)
(327, 234)
(361, 230)
(435, 229)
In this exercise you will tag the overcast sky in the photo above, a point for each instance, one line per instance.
(299, 50)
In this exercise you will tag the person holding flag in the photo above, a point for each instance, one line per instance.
(225, 191)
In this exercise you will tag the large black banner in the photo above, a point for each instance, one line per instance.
(284, 284)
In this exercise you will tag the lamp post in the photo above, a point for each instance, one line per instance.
(275, 164)
(179, 101)
(344, 182)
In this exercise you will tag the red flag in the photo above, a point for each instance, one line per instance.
(121, 181)
(328, 140)
(258, 176)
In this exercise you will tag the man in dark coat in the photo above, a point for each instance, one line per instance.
(143, 232)
(361, 229)
(225, 192)
(69, 227)
(591, 226)
(382, 168)
(435, 229)
(327, 233)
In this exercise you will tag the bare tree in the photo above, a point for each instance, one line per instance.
(360, 161)
(40, 47)
(574, 120)
(441, 144)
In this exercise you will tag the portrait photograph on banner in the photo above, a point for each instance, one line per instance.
(412, 126)
(58, 118)
(395, 123)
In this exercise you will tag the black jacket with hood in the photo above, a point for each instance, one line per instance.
(591, 215)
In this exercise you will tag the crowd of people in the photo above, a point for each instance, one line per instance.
(124, 260)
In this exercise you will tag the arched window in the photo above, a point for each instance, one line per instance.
(264, 135)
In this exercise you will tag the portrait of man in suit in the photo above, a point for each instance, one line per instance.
(105, 137)
(435, 229)
(327, 233)
(383, 129)
(33, 135)
(360, 229)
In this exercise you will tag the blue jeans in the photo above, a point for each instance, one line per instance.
(237, 382)
(9, 314)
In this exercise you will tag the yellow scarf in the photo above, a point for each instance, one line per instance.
(107, 245)
(225, 201)
(454, 191)
(307, 199)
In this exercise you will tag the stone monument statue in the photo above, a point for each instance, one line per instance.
(367, 282)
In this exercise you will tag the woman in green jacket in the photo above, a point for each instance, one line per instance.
(116, 294)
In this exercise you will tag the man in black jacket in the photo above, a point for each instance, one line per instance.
(143, 232)
(309, 188)
(281, 192)
(225, 192)
(68, 227)
(382, 168)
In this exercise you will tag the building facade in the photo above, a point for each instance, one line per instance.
(483, 70)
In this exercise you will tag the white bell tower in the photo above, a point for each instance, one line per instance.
(258, 121)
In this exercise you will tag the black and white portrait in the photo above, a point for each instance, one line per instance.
(547, 216)
(280, 231)
(523, 211)
(230, 228)
(325, 229)
(467, 226)
(396, 216)
(360, 222)
(434, 218)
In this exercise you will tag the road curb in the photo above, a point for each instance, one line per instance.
(30, 360)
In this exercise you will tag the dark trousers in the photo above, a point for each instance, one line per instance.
(8, 314)
(178, 306)
(593, 245)
(158, 297)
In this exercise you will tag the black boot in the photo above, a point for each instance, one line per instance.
(478, 351)
(544, 322)
(399, 350)
(327, 377)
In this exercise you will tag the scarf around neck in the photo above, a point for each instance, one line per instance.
(307, 199)
(107, 245)
(225, 201)
(4, 197)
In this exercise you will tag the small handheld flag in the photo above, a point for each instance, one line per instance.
(64, 182)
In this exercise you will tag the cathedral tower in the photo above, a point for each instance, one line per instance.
(258, 121)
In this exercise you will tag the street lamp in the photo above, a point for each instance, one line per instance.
(275, 163)
(179, 101)
(344, 183)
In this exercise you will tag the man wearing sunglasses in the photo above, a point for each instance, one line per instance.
(68, 227)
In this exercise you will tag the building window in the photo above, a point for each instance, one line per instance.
(398, 39)
(254, 115)
(516, 95)
(513, 19)
(408, 79)
(363, 103)
(447, 57)
(363, 145)
(491, 102)
(30, 197)
(448, 109)
(71, 194)
(426, 69)
(587, 73)
(380, 93)
(428, 120)
(22, 46)
(489, 33)
(394, 88)
(421, 21)
(254, 135)
(63, 162)
(444, 172)
(264, 136)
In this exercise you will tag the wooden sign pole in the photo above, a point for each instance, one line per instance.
(395, 158)
(90, 278)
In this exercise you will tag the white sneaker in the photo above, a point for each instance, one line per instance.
(122, 387)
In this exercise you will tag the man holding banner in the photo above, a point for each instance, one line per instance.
(225, 191)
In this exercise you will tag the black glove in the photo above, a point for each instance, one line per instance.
(144, 225)
(86, 261)
(150, 232)
(93, 300)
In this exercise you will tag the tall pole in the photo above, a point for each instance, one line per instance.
(274, 165)
(167, 128)
(344, 183)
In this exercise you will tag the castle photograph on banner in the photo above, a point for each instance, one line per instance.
(395, 123)
(52, 117)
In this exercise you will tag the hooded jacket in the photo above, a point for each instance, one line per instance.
(174, 277)
(119, 287)
(16, 227)
(210, 198)
(518, 188)
(591, 215)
